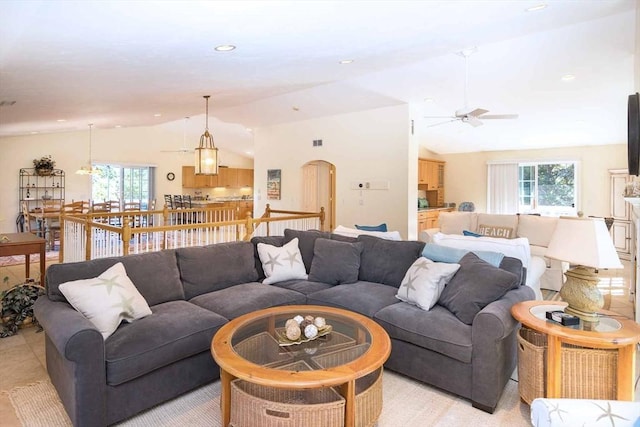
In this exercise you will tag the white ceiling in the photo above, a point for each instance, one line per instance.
(120, 62)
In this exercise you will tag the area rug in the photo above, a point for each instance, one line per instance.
(7, 261)
(406, 403)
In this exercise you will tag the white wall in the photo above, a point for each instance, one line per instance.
(70, 150)
(371, 145)
(466, 174)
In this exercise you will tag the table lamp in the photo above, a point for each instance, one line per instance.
(586, 244)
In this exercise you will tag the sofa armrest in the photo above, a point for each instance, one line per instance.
(73, 335)
(427, 235)
(75, 354)
(494, 357)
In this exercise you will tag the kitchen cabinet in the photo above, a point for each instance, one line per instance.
(244, 207)
(227, 177)
(245, 177)
(431, 180)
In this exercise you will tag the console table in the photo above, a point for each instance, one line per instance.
(24, 244)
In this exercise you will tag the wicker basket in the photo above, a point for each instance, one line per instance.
(262, 349)
(368, 403)
(586, 373)
(256, 405)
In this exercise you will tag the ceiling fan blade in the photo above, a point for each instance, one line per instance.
(472, 120)
(475, 112)
(440, 117)
(452, 119)
(499, 116)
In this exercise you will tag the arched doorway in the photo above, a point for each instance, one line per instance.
(319, 190)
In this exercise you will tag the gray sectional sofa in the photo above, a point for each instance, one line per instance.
(192, 292)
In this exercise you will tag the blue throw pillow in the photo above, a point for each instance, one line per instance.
(439, 253)
(381, 227)
(471, 233)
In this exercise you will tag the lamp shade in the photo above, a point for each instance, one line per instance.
(583, 241)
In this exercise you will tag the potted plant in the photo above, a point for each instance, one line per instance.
(17, 307)
(44, 165)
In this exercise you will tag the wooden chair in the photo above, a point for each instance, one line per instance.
(102, 207)
(132, 206)
(168, 201)
(78, 207)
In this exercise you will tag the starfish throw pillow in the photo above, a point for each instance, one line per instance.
(424, 281)
(107, 300)
(281, 263)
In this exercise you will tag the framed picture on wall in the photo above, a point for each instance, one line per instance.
(273, 184)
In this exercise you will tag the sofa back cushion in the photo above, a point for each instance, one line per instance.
(538, 229)
(335, 262)
(387, 261)
(457, 222)
(516, 248)
(306, 243)
(210, 268)
(154, 274)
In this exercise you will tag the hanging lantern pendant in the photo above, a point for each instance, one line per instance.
(206, 161)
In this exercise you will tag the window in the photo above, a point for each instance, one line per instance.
(123, 183)
(547, 188)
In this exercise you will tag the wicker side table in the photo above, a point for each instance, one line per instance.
(613, 340)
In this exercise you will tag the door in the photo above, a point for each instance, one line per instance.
(318, 187)
(621, 230)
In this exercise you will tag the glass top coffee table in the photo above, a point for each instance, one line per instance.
(254, 348)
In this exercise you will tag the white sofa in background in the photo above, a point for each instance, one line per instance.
(536, 229)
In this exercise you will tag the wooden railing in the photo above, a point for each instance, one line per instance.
(100, 235)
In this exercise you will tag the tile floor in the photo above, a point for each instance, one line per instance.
(22, 356)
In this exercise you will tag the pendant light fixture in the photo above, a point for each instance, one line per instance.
(87, 170)
(206, 153)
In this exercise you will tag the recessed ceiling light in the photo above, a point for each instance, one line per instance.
(34, 133)
(346, 61)
(568, 77)
(537, 7)
(157, 115)
(118, 126)
(248, 129)
(61, 120)
(428, 100)
(225, 48)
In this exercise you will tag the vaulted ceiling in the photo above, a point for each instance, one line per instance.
(141, 63)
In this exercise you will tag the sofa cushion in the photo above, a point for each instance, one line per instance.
(386, 261)
(424, 282)
(362, 297)
(440, 253)
(175, 331)
(354, 232)
(335, 262)
(306, 243)
(106, 300)
(155, 275)
(457, 222)
(516, 248)
(474, 286)
(437, 329)
(269, 240)
(247, 297)
(281, 262)
(305, 287)
(538, 229)
(381, 227)
(209, 268)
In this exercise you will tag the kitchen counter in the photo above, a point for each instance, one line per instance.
(443, 208)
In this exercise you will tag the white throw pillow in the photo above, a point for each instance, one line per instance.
(281, 263)
(107, 300)
(424, 281)
(516, 248)
(354, 232)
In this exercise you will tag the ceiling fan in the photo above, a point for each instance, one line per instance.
(468, 115)
(184, 148)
